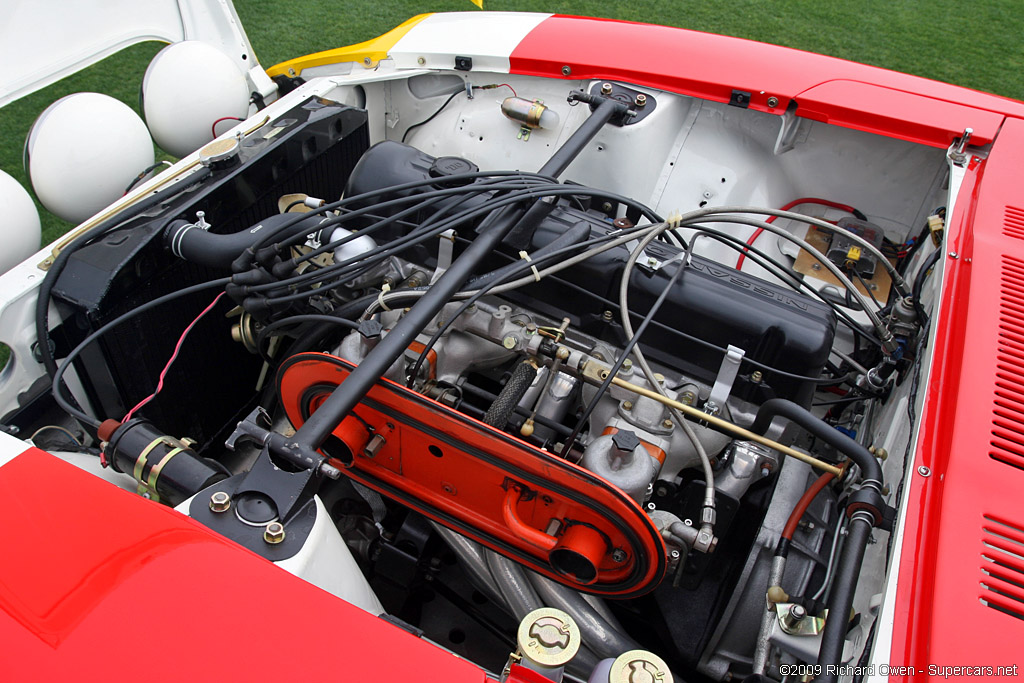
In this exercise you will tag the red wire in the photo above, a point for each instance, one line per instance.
(213, 128)
(177, 349)
(804, 503)
(509, 87)
(796, 202)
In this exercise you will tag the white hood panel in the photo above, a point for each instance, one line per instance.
(42, 41)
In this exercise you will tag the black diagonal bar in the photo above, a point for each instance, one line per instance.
(349, 393)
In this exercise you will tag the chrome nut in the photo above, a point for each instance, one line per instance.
(274, 533)
(220, 502)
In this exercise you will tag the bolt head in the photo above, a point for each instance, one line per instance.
(220, 501)
(619, 555)
(566, 71)
(606, 88)
(924, 471)
(773, 101)
(274, 533)
(667, 424)
(509, 342)
(367, 61)
(627, 405)
(421, 61)
(641, 100)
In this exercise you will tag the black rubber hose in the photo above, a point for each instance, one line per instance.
(318, 427)
(915, 291)
(871, 471)
(511, 394)
(844, 586)
(196, 245)
(840, 600)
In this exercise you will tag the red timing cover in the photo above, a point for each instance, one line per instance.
(100, 584)
(483, 482)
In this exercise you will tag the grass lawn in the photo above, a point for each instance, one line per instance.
(977, 45)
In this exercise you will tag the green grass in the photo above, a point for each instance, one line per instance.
(976, 45)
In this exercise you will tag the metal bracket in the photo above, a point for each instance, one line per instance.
(958, 150)
(256, 428)
(789, 131)
(726, 378)
(445, 253)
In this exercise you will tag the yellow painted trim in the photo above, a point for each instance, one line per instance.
(368, 53)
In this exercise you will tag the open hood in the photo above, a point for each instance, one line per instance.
(71, 36)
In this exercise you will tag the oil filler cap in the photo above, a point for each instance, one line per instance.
(444, 167)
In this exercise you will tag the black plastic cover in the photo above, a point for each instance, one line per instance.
(710, 307)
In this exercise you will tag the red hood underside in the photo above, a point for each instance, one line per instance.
(98, 583)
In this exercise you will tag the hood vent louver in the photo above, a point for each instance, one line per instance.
(1013, 223)
(1008, 404)
(1002, 566)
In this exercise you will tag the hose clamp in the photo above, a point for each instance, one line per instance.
(867, 500)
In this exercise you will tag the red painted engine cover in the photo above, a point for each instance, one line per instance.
(526, 503)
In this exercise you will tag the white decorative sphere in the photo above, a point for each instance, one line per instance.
(83, 151)
(187, 87)
(19, 228)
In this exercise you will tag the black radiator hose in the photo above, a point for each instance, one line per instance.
(840, 600)
(195, 244)
(871, 471)
(865, 508)
(511, 394)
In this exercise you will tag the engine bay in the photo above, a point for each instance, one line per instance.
(659, 362)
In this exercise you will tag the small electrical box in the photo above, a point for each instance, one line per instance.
(849, 254)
